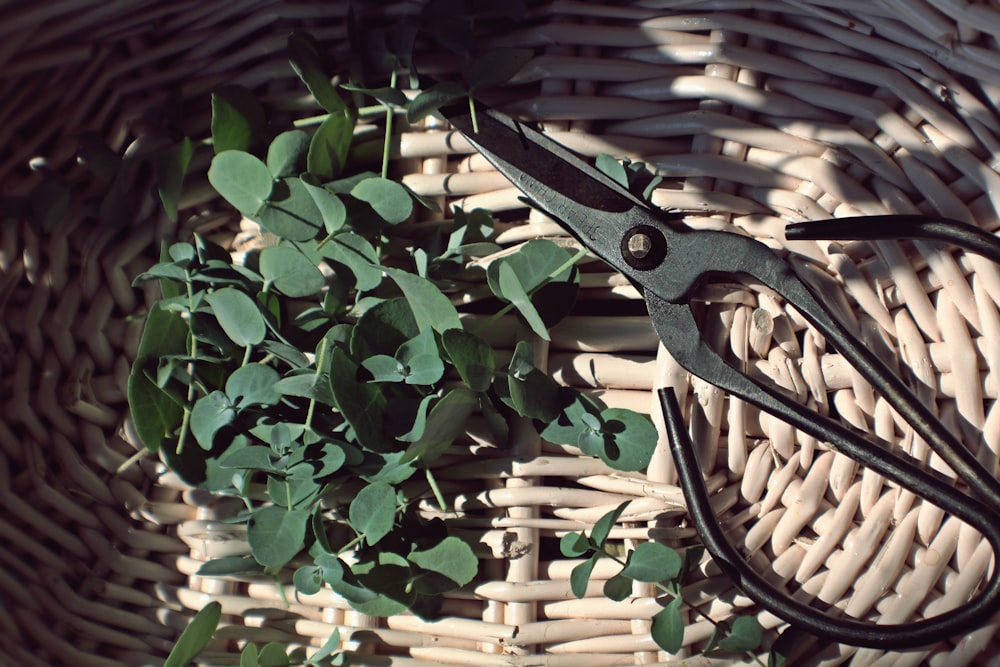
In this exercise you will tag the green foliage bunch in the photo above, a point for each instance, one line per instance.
(322, 379)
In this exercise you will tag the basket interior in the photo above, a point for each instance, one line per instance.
(755, 114)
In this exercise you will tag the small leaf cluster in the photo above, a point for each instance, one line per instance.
(202, 627)
(322, 379)
(664, 567)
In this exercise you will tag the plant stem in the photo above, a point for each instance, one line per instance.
(193, 353)
(387, 142)
(435, 489)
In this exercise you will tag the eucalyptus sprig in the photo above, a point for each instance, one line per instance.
(320, 379)
(667, 570)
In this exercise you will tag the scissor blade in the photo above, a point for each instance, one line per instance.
(585, 201)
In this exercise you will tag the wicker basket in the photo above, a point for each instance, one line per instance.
(756, 113)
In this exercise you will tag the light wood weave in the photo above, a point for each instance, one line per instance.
(756, 114)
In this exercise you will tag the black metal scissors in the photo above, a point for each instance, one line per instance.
(668, 262)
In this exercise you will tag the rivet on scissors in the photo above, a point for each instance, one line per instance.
(644, 247)
(639, 245)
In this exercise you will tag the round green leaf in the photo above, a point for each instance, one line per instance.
(209, 414)
(286, 154)
(373, 511)
(290, 272)
(276, 534)
(745, 635)
(451, 557)
(629, 439)
(389, 199)
(253, 384)
(357, 255)
(242, 180)
(424, 369)
(384, 368)
(573, 545)
(618, 587)
(431, 308)
(668, 627)
(238, 316)
(652, 562)
(579, 577)
(329, 204)
(472, 356)
(289, 211)
(308, 580)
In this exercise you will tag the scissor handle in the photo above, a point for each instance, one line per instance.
(723, 252)
(843, 630)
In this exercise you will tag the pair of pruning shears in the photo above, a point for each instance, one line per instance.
(668, 262)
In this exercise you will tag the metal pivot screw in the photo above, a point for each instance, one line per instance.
(644, 247)
(639, 245)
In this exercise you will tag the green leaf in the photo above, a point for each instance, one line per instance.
(154, 412)
(445, 422)
(512, 290)
(579, 577)
(570, 424)
(573, 545)
(253, 457)
(451, 557)
(273, 655)
(495, 67)
(286, 154)
(196, 636)
(230, 566)
(652, 562)
(290, 272)
(629, 439)
(383, 329)
(356, 254)
(613, 168)
(253, 384)
(472, 356)
(532, 393)
(307, 60)
(289, 211)
(373, 511)
(171, 167)
(668, 627)
(362, 405)
(242, 180)
(276, 535)
(308, 580)
(424, 369)
(429, 101)
(330, 145)
(602, 527)
(431, 308)
(745, 634)
(249, 656)
(328, 203)
(238, 316)
(545, 272)
(390, 200)
(384, 368)
(209, 414)
(390, 97)
(327, 649)
(618, 587)
(238, 121)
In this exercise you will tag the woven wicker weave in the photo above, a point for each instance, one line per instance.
(757, 113)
